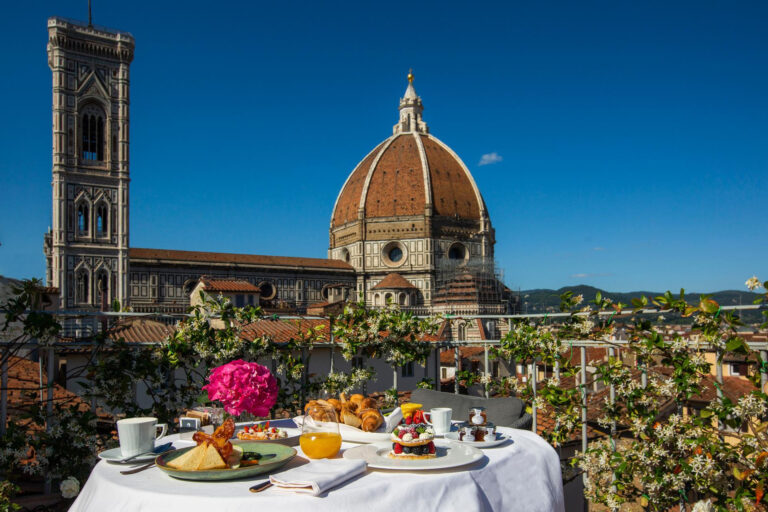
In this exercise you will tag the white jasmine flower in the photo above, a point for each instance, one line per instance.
(69, 487)
(703, 506)
(753, 283)
(580, 298)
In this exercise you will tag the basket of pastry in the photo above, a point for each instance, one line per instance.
(359, 418)
(216, 458)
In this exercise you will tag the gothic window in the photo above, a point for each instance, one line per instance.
(462, 332)
(101, 220)
(81, 294)
(83, 223)
(92, 134)
(102, 290)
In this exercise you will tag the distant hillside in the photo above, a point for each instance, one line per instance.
(548, 301)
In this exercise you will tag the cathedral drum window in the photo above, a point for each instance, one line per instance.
(267, 290)
(393, 254)
(458, 253)
(92, 134)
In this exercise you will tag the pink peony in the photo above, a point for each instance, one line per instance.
(243, 387)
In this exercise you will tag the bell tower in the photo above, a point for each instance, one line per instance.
(87, 247)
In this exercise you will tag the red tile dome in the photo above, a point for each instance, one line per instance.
(409, 174)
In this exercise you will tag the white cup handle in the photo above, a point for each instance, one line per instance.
(163, 427)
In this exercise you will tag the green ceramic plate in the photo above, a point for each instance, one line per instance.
(282, 454)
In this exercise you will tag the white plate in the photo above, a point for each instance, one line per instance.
(115, 455)
(291, 440)
(449, 455)
(500, 438)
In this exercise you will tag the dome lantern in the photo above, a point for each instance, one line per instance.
(411, 109)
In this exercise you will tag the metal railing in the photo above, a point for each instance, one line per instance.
(439, 346)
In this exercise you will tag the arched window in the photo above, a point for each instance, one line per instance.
(83, 223)
(92, 131)
(81, 292)
(462, 332)
(101, 220)
(102, 289)
(401, 299)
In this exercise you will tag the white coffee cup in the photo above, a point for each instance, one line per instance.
(137, 435)
(440, 419)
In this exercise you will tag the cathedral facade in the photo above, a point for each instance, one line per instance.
(409, 225)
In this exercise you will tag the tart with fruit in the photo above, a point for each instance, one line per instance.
(261, 432)
(413, 439)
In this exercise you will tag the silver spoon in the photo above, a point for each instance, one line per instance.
(261, 487)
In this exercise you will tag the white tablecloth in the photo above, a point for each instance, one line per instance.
(523, 475)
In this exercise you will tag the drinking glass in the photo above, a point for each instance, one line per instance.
(320, 438)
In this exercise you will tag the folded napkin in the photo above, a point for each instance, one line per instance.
(393, 420)
(318, 476)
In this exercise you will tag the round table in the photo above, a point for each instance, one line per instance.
(521, 474)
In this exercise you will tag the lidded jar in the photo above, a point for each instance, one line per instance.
(477, 417)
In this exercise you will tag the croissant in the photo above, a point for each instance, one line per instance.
(356, 398)
(349, 418)
(336, 404)
(370, 420)
(369, 403)
(319, 410)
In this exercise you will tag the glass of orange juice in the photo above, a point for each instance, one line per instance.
(320, 438)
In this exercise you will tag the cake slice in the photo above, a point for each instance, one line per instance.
(190, 460)
(211, 459)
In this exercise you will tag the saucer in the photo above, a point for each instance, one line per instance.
(115, 455)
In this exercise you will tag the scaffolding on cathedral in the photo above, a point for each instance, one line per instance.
(475, 286)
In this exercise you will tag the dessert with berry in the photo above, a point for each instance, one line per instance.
(413, 438)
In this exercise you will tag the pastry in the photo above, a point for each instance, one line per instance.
(370, 420)
(413, 441)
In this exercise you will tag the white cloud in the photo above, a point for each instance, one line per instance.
(490, 158)
(585, 274)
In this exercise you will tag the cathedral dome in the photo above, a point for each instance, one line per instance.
(411, 173)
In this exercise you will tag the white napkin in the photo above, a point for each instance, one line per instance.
(393, 420)
(318, 476)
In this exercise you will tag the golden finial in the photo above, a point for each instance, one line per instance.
(410, 76)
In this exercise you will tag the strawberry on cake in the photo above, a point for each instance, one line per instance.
(413, 439)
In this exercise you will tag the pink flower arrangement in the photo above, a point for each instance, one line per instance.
(243, 387)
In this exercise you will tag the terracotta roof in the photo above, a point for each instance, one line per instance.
(24, 388)
(452, 191)
(396, 185)
(391, 181)
(447, 356)
(733, 388)
(196, 257)
(282, 331)
(229, 285)
(139, 330)
(394, 281)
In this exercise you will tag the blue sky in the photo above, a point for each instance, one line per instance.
(630, 138)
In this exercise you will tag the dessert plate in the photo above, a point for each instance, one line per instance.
(291, 440)
(279, 455)
(500, 439)
(449, 455)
